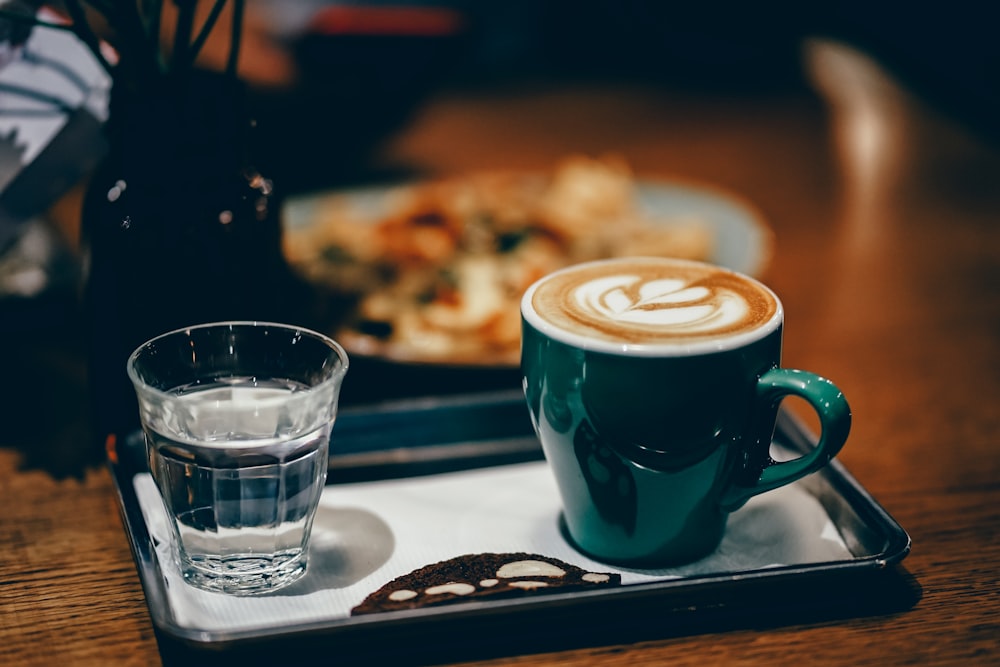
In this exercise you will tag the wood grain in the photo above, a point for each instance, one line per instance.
(70, 590)
(892, 291)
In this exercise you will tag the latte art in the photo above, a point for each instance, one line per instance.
(666, 303)
(651, 301)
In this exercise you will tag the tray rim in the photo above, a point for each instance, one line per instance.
(896, 546)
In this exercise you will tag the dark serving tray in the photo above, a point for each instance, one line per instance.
(412, 438)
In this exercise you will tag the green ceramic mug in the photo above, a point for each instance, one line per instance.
(654, 386)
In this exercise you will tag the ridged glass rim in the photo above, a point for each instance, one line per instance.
(336, 376)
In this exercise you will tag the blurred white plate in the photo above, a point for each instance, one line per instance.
(743, 241)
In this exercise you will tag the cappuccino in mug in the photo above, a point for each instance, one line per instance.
(654, 385)
(651, 302)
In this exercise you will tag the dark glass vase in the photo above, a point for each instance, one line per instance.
(180, 228)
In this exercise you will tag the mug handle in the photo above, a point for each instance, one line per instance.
(835, 423)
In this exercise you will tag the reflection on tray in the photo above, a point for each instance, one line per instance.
(411, 437)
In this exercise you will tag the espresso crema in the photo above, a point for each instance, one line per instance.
(652, 301)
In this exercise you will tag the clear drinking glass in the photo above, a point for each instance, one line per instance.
(237, 419)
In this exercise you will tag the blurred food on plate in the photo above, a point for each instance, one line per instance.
(438, 276)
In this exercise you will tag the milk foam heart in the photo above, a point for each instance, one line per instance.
(668, 303)
(652, 301)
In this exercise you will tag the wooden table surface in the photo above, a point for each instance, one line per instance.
(887, 257)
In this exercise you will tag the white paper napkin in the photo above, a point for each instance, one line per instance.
(367, 534)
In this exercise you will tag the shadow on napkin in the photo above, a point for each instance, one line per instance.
(347, 545)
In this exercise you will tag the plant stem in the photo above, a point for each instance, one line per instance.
(232, 67)
(154, 15)
(137, 24)
(182, 35)
(28, 93)
(78, 26)
(30, 18)
(105, 8)
(136, 38)
(86, 35)
(206, 28)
